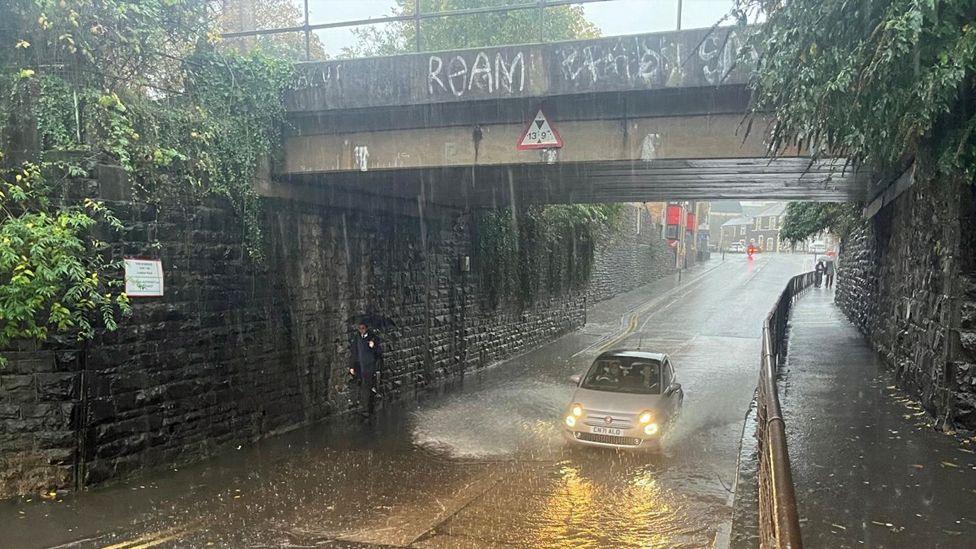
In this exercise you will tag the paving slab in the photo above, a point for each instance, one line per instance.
(869, 468)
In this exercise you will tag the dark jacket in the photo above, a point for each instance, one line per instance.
(367, 354)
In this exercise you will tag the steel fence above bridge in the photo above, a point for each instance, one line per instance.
(418, 16)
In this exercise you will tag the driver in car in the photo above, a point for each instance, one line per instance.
(610, 373)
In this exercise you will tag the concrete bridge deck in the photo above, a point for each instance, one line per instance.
(646, 117)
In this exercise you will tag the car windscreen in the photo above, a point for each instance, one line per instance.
(624, 375)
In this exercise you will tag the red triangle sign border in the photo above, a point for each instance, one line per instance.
(555, 142)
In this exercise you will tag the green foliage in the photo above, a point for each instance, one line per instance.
(806, 219)
(470, 31)
(55, 110)
(211, 139)
(132, 82)
(50, 271)
(868, 79)
(553, 242)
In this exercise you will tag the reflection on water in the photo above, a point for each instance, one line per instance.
(616, 501)
(591, 497)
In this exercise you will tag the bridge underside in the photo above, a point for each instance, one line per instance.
(792, 178)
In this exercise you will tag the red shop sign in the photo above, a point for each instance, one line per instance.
(674, 215)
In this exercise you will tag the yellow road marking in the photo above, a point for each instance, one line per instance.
(630, 329)
(156, 538)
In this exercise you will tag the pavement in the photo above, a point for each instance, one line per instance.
(477, 463)
(869, 468)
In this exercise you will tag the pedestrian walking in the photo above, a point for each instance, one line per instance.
(830, 273)
(819, 271)
(367, 357)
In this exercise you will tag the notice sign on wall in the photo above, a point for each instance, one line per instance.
(143, 277)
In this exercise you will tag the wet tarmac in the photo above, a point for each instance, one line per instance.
(482, 463)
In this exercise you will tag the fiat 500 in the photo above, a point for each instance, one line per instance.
(627, 399)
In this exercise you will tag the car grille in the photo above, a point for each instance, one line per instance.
(595, 418)
(608, 439)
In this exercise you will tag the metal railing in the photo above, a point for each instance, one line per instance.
(417, 17)
(779, 523)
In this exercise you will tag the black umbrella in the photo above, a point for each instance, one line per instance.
(373, 320)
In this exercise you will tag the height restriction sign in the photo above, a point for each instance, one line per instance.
(539, 134)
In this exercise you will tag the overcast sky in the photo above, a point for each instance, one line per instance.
(615, 17)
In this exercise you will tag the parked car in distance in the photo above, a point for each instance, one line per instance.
(627, 399)
(736, 248)
(818, 247)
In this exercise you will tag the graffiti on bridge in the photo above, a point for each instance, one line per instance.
(650, 61)
(459, 76)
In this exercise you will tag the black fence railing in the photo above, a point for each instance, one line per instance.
(779, 523)
(417, 17)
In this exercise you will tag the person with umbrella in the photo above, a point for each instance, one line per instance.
(367, 354)
(820, 269)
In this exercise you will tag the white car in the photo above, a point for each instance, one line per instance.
(627, 399)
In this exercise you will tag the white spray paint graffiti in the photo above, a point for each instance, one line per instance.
(319, 75)
(457, 76)
(718, 55)
(361, 157)
(549, 156)
(634, 60)
(649, 147)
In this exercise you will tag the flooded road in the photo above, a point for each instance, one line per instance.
(480, 464)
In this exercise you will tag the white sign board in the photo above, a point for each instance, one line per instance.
(539, 134)
(143, 277)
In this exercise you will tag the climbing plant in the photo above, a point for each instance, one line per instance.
(553, 242)
(142, 84)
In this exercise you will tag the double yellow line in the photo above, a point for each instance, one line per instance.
(678, 292)
(157, 538)
(631, 326)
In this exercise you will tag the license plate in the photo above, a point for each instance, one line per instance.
(605, 431)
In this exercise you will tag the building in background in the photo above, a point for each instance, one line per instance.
(757, 225)
(766, 226)
(735, 231)
(761, 225)
(721, 212)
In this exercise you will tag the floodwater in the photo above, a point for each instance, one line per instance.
(482, 462)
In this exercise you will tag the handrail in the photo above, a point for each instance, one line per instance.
(779, 522)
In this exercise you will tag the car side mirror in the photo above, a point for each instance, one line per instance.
(575, 379)
(673, 388)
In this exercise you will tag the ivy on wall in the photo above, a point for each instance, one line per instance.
(136, 83)
(552, 244)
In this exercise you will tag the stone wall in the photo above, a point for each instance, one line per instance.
(237, 351)
(631, 257)
(904, 281)
(857, 277)
(39, 394)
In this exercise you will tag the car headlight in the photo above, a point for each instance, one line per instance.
(650, 429)
(570, 421)
(577, 410)
(645, 418)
